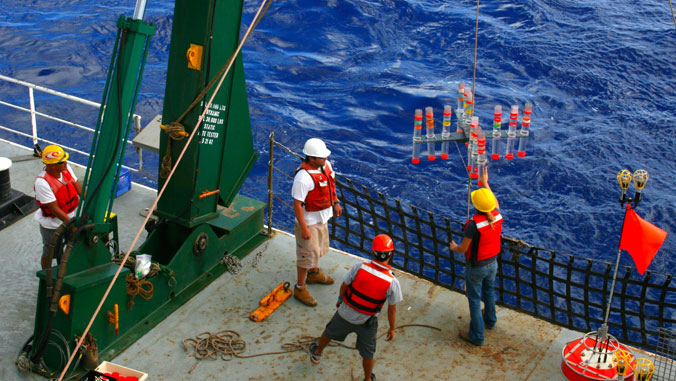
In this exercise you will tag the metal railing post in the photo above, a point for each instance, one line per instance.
(31, 99)
(270, 166)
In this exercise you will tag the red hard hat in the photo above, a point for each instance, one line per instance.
(382, 242)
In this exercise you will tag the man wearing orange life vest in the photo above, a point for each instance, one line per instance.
(57, 193)
(314, 202)
(366, 288)
(481, 245)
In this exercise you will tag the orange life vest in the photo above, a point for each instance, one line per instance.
(368, 292)
(324, 193)
(484, 248)
(66, 194)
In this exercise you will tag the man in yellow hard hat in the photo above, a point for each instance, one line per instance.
(481, 246)
(57, 193)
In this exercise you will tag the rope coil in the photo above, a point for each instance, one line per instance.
(175, 131)
(138, 287)
(228, 344)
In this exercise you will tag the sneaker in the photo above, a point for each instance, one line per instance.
(303, 295)
(314, 357)
(318, 277)
(373, 377)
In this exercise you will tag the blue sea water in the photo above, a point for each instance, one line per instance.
(601, 76)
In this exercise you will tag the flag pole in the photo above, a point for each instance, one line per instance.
(603, 331)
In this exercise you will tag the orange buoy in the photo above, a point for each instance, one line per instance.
(591, 358)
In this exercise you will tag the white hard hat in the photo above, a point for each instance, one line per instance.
(316, 148)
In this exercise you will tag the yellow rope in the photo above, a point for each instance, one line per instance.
(672, 13)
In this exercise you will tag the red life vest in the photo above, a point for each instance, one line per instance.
(368, 292)
(484, 248)
(66, 194)
(324, 193)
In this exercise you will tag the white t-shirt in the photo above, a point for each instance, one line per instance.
(302, 184)
(353, 316)
(44, 194)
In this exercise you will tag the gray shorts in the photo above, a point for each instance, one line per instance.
(338, 328)
(46, 238)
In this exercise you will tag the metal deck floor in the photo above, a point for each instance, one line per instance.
(519, 348)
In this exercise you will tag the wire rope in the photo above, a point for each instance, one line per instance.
(476, 46)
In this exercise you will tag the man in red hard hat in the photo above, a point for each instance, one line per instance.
(314, 203)
(57, 193)
(366, 288)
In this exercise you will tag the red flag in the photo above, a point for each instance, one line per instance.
(641, 239)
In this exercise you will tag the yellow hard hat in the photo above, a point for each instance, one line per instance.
(483, 200)
(53, 154)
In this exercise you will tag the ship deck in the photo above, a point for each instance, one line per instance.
(521, 347)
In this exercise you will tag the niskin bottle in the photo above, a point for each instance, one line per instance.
(417, 136)
(429, 122)
(446, 131)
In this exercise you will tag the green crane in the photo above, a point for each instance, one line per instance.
(200, 216)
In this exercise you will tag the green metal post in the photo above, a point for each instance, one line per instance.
(109, 144)
(205, 34)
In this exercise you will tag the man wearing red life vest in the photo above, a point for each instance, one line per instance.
(314, 202)
(57, 193)
(367, 286)
(481, 246)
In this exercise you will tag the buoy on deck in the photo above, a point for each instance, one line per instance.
(271, 302)
(5, 185)
(13, 204)
(592, 358)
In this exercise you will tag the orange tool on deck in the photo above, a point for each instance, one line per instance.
(271, 302)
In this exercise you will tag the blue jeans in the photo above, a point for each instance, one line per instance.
(479, 282)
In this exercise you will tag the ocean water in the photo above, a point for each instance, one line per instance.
(601, 76)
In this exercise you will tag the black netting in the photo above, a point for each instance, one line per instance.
(563, 289)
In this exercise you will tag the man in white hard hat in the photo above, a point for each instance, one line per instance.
(57, 193)
(314, 203)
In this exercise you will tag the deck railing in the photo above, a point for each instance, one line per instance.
(564, 289)
(34, 114)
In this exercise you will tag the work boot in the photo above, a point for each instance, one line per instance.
(303, 295)
(318, 277)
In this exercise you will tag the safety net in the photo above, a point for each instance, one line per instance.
(564, 289)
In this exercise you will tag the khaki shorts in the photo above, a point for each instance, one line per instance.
(308, 251)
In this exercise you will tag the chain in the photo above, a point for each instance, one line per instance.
(233, 263)
(259, 256)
